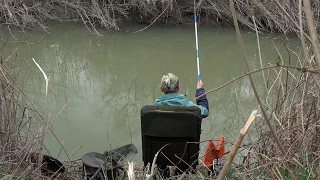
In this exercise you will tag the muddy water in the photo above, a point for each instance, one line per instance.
(99, 84)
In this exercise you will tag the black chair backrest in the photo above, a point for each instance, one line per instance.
(173, 125)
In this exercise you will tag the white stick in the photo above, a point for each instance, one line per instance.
(44, 75)
(196, 34)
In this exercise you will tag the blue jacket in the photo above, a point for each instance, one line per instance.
(175, 99)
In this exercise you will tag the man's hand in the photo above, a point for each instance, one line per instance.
(200, 85)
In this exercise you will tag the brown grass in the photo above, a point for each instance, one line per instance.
(273, 16)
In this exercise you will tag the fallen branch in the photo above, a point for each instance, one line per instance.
(236, 146)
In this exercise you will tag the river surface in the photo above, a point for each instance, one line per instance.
(103, 82)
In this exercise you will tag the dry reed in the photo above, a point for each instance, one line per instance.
(294, 116)
(21, 139)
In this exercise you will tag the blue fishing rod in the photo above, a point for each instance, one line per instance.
(196, 34)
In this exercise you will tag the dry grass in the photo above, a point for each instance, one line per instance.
(21, 135)
(290, 148)
(296, 123)
(274, 16)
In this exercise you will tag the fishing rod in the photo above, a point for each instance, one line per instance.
(196, 34)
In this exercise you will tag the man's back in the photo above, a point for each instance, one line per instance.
(175, 99)
(170, 86)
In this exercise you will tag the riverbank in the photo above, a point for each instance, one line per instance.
(23, 129)
(271, 16)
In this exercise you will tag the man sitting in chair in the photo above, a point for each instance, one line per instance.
(170, 86)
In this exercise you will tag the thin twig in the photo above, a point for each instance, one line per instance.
(252, 72)
(260, 58)
(45, 112)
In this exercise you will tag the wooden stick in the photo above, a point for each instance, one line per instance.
(312, 31)
(236, 146)
(303, 43)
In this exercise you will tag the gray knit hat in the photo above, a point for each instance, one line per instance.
(169, 83)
